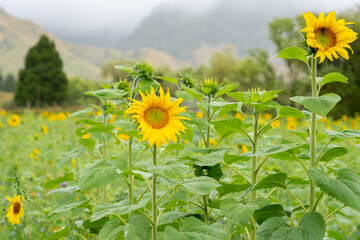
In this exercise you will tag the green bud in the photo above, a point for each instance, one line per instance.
(144, 70)
(108, 105)
(210, 86)
(255, 95)
(123, 85)
(187, 80)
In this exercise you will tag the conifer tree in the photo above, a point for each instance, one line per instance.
(43, 80)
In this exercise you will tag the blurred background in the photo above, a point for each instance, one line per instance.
(53, 51)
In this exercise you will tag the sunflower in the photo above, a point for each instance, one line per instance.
(16, 210)
(328, 36)
(14, 121)
(86, 136)
(275, 124)
(61, 116)
(158, 117)
(44, 129)
(291, 126)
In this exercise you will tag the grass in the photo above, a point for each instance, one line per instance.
(5, 97)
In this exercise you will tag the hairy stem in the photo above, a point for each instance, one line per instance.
(154, 201)
(208, 118)
(131, 177)
(313, 135)
(253, 171)
(104, 142)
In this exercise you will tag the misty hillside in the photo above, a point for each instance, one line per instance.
(243, 24)
(17, 36)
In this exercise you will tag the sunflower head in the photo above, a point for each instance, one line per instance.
(44, 129)
(14, 120)
(15, 211)
(158, 117)
(327, 36)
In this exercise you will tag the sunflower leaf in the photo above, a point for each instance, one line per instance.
(320, 105)
(294, 53)
(333, 77)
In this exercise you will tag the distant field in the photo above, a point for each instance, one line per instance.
(5, 97)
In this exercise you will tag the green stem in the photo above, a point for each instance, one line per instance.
(131, 177)
(247, 135)
(318, 200)
(247, 233)
(24, 222)
(121, 219)
(202, 134)
(154, 201)
(336, 210)
(104, 142)
(208, 121)
(267, 124)
(166, 193)
(204, 198)
(301, 162)
(253, 171)
(238, 172)
(261, 163)
(141, 196)
(297, 199)
(313, 135)
(147, 217)
(206, 215)
(216, 219)
(273, 190)
(321, 152)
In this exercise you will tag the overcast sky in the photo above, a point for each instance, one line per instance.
(66, 18)
(89, 16)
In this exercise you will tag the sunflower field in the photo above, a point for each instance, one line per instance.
(204, 162)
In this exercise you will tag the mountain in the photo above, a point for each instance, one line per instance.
(17, 36)
(241, 23)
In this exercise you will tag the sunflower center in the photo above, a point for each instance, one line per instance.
(325, 37)
(17, 207)
(156, 117)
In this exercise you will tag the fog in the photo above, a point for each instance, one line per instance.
(105, 22)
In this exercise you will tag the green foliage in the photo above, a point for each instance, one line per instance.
(42, 81)
(344, 188)
(195, 229)
(237, 212)
(76, 89)
(247, 175)
(114, 71)
(201, 185)
(311, 227)
(97, 175)
(7, 84)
